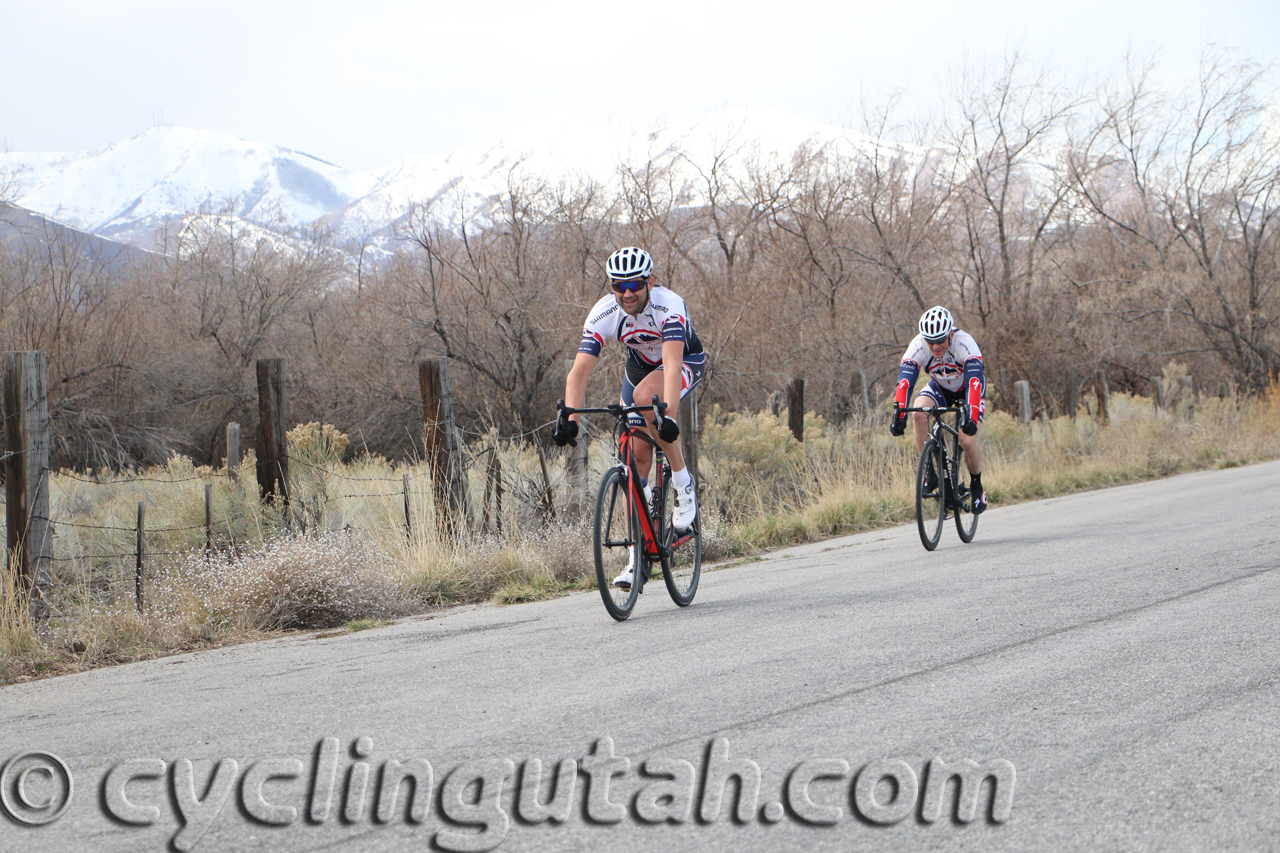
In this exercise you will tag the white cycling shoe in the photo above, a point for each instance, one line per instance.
(628, 576)
(686, 507)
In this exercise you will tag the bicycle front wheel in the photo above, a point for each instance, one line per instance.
(682, 554)
(931, 503)
(966, 521)
(616, 538)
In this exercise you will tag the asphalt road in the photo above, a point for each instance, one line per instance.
(1110, 657)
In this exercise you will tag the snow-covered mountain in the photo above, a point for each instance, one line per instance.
(131, 189)
(128, 189)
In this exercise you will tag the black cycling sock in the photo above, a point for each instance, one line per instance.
(975, 483)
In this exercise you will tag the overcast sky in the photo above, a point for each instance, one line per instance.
(363, 83)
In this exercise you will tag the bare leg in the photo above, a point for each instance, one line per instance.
(920, 421)
(650, 385)
(972, 451)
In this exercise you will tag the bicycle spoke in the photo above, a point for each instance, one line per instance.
(966, 521)
(682, 562)
(615, 539)
(931, 506)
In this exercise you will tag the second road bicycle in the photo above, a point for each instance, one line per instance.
(943, 480)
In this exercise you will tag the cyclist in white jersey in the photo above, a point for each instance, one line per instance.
(954, 363)
(664, 357)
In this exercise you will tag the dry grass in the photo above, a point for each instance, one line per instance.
(345, 557)
(861, 479)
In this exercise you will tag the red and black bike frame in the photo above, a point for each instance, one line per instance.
(634, 492)
(629, 432)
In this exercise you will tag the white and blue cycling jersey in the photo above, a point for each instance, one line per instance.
(664, 318)
(955, 377)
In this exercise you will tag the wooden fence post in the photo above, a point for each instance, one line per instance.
(1100, 388)
(440, 438)
(547, 503)
(1022, 390)
(408, 523)
(860, 392)
(577, 470)
(26, 425)
(795, 408)
(208, 519)
(1071, 399)
(488, 492)
(493, 485)
(1188, 390)
(690, 441)
(1157, 392)
(273, 443)
(137, 566)
(233, 451)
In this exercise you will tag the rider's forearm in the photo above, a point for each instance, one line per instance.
(575, 384)
(672, 378)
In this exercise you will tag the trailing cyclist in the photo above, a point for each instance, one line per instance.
(664, 357)
(954, 363)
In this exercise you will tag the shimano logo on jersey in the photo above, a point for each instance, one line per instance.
(659, 307)
(601, 316)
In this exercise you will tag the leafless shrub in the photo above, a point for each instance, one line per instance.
(297, 582)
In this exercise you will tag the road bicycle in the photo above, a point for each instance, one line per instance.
(626, 524)
(943, 480)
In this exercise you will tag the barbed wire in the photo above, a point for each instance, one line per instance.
(522, 488)
(331, 473)
(533, 431)
(62, 523)
(133, 479)
(93, 557)
(58, 521)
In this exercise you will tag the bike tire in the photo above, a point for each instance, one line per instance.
(615, 536)
(966, 521)
(682, 554)
(931, 505)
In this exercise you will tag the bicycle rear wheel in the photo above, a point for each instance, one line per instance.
(682, 562)
(615, 539)
(931, 504)
(966, 521)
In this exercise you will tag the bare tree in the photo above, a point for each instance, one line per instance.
(1008, 210)
(1188, 191)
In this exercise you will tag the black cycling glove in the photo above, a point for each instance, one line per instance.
(898, 425)
(970, 426)
(668, 429)
(566, 432)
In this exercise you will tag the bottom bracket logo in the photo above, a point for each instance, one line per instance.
(35, 787)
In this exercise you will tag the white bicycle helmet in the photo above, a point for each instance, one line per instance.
(936, 324)
(630, 262)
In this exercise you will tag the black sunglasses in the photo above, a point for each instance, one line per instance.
(633, 285)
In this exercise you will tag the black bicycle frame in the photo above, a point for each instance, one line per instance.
(936, 434)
